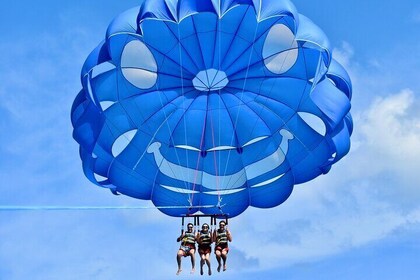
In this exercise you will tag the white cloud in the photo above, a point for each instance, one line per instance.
(390, 132)
(319, 220)
(344, 54)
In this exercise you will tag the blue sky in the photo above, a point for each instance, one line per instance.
(360, 221)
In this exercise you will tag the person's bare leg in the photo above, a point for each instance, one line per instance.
(178, 260)
(218, 254)
(192, 254)
(224, 257)
(202, 264)
(207, 259)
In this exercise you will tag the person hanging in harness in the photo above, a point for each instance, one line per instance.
(187, 248)
(222, 236)
(204, 240)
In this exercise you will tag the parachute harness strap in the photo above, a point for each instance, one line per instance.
(196, 223)
(182, 226)
(196, 219)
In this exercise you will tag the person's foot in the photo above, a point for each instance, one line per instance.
(218, 268)
(209, 271)
(192, 271)
(201, 271)
(224, 267)
(178, 272)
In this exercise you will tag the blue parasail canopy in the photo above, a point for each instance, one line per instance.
(211, 106)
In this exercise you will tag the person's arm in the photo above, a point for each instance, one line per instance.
(180, 237)
(197, 238)
(229, 235)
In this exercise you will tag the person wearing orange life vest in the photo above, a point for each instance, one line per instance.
(204, 240)
(187, 248)
(222, 236)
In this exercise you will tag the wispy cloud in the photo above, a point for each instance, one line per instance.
(72, 245)
(390, 131)
(40, 78)
(344, 54)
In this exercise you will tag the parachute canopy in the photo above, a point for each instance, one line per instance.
(211, 105)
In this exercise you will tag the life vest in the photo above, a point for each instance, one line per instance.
(205, 238)
(189, 238)
(221, 237)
